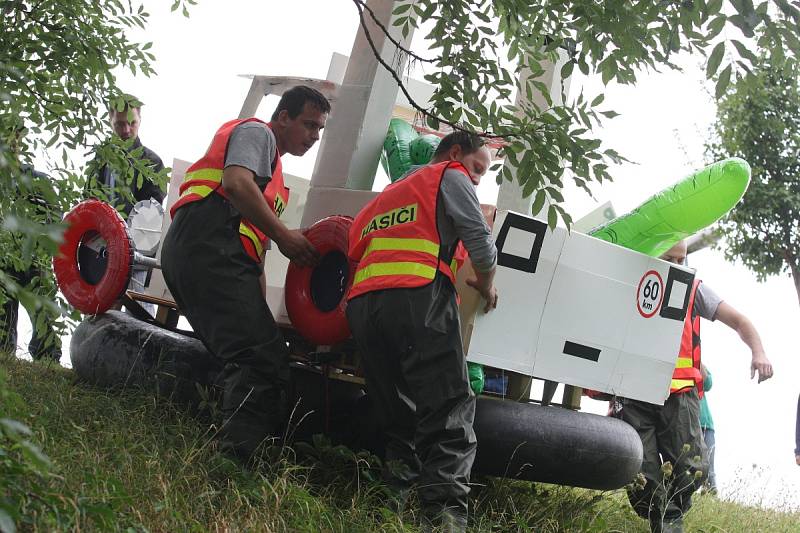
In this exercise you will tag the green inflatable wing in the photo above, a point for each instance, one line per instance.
(677, 212)
(404, 148)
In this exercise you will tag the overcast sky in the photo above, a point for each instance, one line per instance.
(662, 127)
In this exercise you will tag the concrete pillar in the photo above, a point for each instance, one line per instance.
(510, 194)
(350, 150)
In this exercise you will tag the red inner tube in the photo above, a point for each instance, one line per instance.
(316, 297)
(93, 265)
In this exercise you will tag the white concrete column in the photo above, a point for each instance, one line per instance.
(350, 150)
(510, 194)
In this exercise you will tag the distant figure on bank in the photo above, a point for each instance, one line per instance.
(126, 127)
(797, 435)
(707, 426)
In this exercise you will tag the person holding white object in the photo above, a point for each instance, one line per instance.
(675, 461)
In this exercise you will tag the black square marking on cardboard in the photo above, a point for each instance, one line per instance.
(581, 350)
(677, 313)
(529, 225)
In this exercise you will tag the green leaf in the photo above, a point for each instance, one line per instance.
(14, 429)
(552, 217)
(555, 194)
(529, 187)
(402, 8)
(746, 24)
(713, 7)
(744, 52)
(6, 523)
(722, 82)
(608, 73)
(715, 59)
(35, 455)
(598, 100)
(538, 202)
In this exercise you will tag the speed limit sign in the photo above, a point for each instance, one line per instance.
(650, 294)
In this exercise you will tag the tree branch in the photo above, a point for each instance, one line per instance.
(395, 42)
(487, 135)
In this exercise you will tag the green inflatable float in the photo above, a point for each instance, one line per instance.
(404, 147)
(694, 203)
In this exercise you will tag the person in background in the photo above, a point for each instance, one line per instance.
(126, 123)
(707, 426)
(797, 434)
(37, 276)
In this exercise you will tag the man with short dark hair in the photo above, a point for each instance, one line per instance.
(107, 182)
(125, 123)
(212, 259)
(403, 314)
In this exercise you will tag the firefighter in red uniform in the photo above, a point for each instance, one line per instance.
(213, 253)
(671, 433)
(403, 314)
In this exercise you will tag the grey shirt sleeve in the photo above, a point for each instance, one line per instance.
(460, 217)
(706, 302)
(252, 146)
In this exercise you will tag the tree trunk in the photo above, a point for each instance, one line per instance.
(791, 260)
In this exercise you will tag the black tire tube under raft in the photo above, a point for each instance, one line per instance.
(515, 440)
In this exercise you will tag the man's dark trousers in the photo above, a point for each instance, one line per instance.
(216, 286)
(666, 432)
(417, 376)
(38, 346)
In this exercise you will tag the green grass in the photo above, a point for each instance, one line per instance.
(124, 461)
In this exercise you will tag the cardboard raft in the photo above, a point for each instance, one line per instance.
(580, 311)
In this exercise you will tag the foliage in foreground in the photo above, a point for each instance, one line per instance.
(124, 461)
(57, 60)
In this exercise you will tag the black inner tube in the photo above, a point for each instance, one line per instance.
(329, 281)
(92, 257)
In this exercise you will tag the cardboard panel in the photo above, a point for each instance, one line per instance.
(582, 311)
(527, 257)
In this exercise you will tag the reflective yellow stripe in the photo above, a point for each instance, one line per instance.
(678, 384)
(454, 267)
(394, 269)
(250, 234)
(207, 174)
(202, 190)
(684, 362)
(402, 245)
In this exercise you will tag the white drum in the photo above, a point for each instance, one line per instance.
(144, 222)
